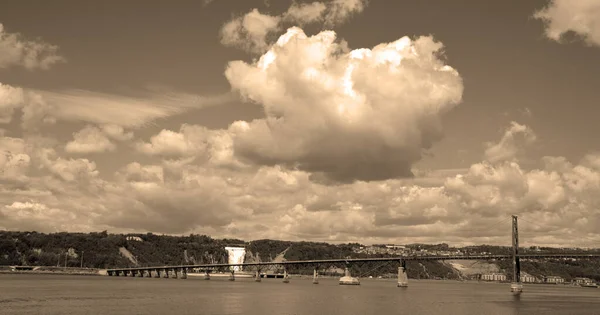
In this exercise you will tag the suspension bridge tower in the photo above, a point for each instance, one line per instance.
(516, 287)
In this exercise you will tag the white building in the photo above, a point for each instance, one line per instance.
(580, 280)
(493, 277)
(527, 278)
(554, 279)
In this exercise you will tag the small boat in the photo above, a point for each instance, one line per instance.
(589, 285)
(347, 279)
(516, 288)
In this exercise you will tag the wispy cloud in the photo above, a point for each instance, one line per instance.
(126, 111)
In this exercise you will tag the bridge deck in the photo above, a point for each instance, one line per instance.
(382, 259)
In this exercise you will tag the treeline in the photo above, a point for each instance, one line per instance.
(103, 250)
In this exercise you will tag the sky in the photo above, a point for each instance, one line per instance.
(337, 121)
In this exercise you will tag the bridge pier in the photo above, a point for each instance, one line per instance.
(257, 276)
(132, 273)
(315, 276)
(286, 277)
(140, 273)
(156, 273)
(232, 276)
(174, 274)
(183, 273)
(165, 273)
(402, 277)
(206, 275)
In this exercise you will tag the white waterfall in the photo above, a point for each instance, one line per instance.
(236, 256)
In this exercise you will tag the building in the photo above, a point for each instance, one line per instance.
(580, 280)
(394, 246)
(554, 279)
(493, 277)
(527, 278)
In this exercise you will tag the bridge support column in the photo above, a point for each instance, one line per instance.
(109, 273)
(516, 287)
(206, 275)
(156, 273)
(315, 276)
(132, 273)
(402, 277)
(183, 273)
(286, 277)
(165, 273)
(257, 276)
(174, 275)
(232, 276)
(140, 273)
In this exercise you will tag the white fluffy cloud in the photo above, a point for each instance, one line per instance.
(10, 99)
(192, 142)
(558, 201)
(364, 114)
(35, 110)
(16, 51)
(515, 138)
(303, 13)
(92, 139)
(252, 31)
(579, 16)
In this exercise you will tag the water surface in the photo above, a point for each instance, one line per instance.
(50, 294)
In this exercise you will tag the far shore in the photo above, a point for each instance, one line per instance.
(51, 270)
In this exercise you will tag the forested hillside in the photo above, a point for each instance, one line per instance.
(103, 250)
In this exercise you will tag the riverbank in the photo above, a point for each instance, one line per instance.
(49, 270)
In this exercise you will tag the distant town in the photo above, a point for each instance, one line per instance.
(444, 250)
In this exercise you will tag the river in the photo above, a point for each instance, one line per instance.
(51, 294)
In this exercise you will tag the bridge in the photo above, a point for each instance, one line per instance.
(181, 271)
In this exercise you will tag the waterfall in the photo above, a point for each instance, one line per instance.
(236, 256)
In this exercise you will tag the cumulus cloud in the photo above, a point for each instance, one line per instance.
(303, 13)
(31, 54)
(11, 98)
(14, 160)
(34, 108)
(581, 17)
(252, 31)
(514, 139)
(365, 114)
(195, 142)
(340, 10)
(92, 139)
(559, 197)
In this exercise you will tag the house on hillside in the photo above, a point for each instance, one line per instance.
(493, 277)
(580, 280)
(554, 279)
(527, 278)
